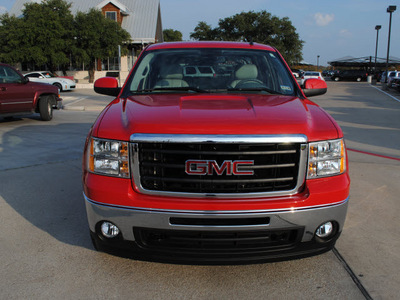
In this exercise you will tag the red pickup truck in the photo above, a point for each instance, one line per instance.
(211, 153)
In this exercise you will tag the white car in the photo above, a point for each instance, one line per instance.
(63, 84)
(309, 75)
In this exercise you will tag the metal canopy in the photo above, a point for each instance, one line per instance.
(364, 62)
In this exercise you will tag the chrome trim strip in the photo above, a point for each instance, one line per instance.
(11, 103)
(169, 138)
(219, 212)
(211, 139)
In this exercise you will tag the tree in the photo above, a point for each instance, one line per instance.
(204, 32)
(97, 38)
(43, 35)
(171, 35)
(259, 27)
(11, 37)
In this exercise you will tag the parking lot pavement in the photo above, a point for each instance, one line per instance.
(370, 241)
(46, 250)
(84, 100)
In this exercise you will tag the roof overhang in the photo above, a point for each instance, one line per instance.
(365, 61)
(124, 10)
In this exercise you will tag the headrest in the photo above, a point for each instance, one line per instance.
(171, 72)
(246, 72)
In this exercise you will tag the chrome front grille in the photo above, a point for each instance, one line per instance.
(160, 165)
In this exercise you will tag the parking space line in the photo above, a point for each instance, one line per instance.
(393, 97)
(353, 276)
(373, 154)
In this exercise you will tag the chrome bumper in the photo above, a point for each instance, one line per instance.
(128, 218)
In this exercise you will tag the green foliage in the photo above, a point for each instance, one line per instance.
(42, 35)
(260, 27)
(11, 37)
(171, 35)
(49, 34)
(204, 32)
(97, 37)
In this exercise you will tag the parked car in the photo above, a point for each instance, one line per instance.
(391, 76)
(223, 169)
(199, 71)
(327, 73)
(297, 73)
(63, 84)
(357, 75)
(395, 84)
(309, 75)
(19, 96)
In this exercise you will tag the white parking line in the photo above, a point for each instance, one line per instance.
(73, 98)
(393, 97)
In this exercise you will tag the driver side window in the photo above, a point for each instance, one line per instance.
(8, 75)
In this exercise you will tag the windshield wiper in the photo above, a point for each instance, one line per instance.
(183, 88)
(260, 89)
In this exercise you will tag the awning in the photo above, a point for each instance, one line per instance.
(364, 62)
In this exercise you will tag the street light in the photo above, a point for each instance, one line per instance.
(390, 10)
(377, 27)
(317, 62)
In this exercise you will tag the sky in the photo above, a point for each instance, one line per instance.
(331, 29)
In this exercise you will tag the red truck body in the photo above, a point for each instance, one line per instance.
(241, 175)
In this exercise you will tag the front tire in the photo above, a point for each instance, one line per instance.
(58, 85)
(46, 108)
(358, 79)
(336, 78)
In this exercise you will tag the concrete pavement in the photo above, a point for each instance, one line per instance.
(46, 251)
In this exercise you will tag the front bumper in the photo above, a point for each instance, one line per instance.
(216, 237)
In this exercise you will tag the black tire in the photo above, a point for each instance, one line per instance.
(358, 79)
(46, 108)
(336, 79)
(58, 85)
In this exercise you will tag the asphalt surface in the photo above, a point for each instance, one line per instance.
(46, 252)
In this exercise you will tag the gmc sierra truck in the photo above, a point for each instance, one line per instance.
(233, 165)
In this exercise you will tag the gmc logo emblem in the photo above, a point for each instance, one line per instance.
(208, 167)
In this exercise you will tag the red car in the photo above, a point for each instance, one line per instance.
(19, 96)
(230, 166)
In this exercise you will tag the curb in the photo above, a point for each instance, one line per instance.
(84, 86)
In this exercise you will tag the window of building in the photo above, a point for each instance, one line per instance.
(111, 15)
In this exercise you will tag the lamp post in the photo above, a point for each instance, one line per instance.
(377, 27)
(317, 62)
(390, 10)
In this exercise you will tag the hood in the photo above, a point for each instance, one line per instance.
(215, 114)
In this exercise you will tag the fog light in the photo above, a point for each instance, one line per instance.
(324, 230)
(109, 230)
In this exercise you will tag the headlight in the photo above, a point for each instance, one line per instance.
(108, 157)
(326, 158)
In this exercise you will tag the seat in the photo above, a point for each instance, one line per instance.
(246, 75)
(171, 76)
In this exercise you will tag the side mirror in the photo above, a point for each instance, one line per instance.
(314, 87)
(25, 80)
(107, 86)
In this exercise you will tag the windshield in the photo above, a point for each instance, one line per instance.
(210, 70)
(49, 75)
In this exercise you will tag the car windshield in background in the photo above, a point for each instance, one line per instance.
(311, 74)
(49, 75)
(210, 70)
